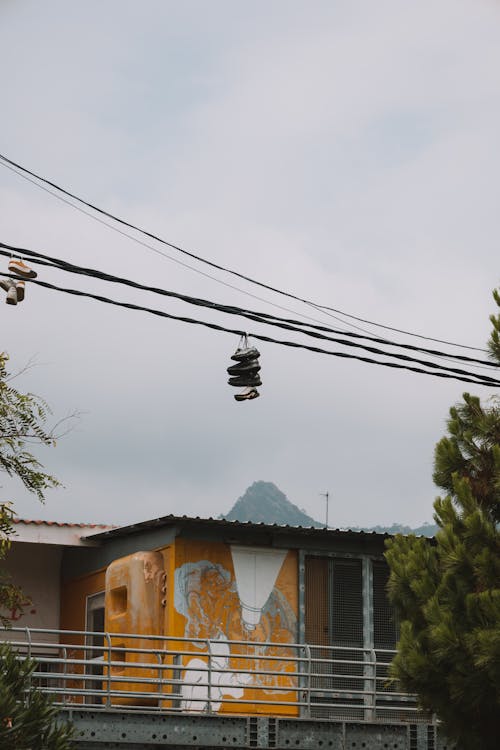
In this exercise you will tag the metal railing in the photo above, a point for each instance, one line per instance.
(170, 674)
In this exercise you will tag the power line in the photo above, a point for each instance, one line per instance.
(63, 265)
(322, 308)
(287, 324)
(475, 379)
(157, 250)
(170, 257)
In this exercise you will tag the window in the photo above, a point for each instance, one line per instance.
(94, 646)
(342, 617)
(334, 623)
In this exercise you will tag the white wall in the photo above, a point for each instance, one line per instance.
(36, 568)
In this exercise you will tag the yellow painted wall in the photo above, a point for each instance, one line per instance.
(207, 605)
(74, 595)
(199, 598)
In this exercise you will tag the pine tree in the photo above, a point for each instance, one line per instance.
(447, 591)
(28, 717)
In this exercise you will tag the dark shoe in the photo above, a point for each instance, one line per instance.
(247, 395)
(245, 380)
(243, 355)
(244, 367)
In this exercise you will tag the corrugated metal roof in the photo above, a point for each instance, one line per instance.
(172, 520)
(63, 524)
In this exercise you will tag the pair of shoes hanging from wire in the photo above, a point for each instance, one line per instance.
(15, 288)
(245, 373)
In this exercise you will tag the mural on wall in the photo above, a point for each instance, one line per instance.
(197, 688)
(239, 604)
(255, 574)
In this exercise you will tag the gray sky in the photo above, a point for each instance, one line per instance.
(345, 151)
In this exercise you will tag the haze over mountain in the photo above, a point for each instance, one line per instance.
(263, 502)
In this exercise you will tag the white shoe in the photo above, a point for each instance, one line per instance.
(10, 288)
(11, 298)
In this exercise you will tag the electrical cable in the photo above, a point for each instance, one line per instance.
(475, 379)
(324, 308)
(170, 257)
(288, 324)
(155, 249)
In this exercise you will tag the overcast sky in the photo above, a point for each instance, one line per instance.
(345, 151)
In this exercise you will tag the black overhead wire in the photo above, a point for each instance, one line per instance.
(287, 324)
(483, 379)
(478, 379)
(5, 161)
(170, 257)
(320, 309)
(165, 255)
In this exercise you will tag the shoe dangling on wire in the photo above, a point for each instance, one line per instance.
(244, 374)
(242, 368)
(14, 289)
(244, 352)
(247, 395)
(17, 266)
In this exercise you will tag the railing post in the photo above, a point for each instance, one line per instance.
(65, 671)
(108, 688)
(369, 683)
(307, 649)
(160, 674)
(209, 678)
(374, 696)
(28, 635)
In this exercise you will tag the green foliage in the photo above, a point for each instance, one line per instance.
(472, 451)
(23, 418)
(494, 342)
(28, 717)
(447, 591)
(12, 599)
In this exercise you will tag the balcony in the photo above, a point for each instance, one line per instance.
(158, 674)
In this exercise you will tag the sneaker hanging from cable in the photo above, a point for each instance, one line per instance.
(20, 268)
(14, 289)
(244, 352)
(244, 374)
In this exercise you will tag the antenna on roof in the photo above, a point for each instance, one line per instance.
(326, 495)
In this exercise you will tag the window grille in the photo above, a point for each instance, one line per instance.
(334, 618)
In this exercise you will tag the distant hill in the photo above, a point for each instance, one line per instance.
(427, 529)
(263, 502)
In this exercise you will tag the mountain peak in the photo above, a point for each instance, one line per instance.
(263, 502)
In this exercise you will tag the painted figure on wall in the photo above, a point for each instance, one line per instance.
(202, 690)
(239, 604)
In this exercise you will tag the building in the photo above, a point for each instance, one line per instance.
(226, 633)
